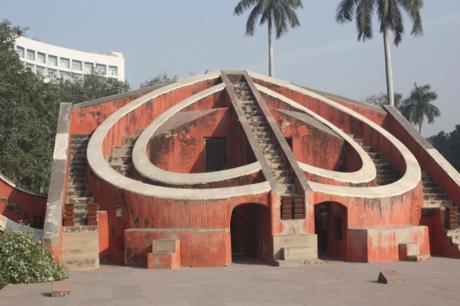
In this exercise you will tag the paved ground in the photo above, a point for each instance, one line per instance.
(435, 282)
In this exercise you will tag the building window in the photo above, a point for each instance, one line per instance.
(113, 70)
(31, 55)
(20, 51)
(65, 63)
(77, 76)
(76, 65)
(52, 74)
(30, 66)
(88, 68)
(52, 60)
(66, 76)
(101, 69)
(41, 58)
(41, 70)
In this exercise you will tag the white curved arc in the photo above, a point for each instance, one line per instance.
(7, 224)
(103, 170)
(365, 174)
(408, 181)
(147, 169)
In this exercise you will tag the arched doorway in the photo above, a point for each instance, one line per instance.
(250, 232)
(331, 230)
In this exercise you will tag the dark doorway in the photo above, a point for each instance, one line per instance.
(289, 141)
(215, 154)
(249, 228)
(330, 228)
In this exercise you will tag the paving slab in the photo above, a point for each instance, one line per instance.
(434, 282)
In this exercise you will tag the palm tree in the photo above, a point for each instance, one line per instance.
(391, 21)
(279, 14)
(418, 106)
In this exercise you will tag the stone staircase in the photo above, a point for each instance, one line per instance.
(120, 159)
(80, 245)
(80, 204)
(386, 173)
(433, 196)
(264, 136)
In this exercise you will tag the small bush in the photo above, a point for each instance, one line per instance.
(24, 260)
(3, 281)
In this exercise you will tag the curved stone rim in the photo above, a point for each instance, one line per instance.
(406, 183)
(7, 224)
(147, 169)
(103, 170)
(365, 174)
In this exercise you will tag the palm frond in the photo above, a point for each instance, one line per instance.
(364, 11)
(413, 8)
(345, 10)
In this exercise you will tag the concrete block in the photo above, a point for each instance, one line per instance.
(164, 246)
(390, 277)
(165, 254)
(61, 288)
(293, 253)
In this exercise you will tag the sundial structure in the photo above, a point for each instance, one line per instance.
(234, 164)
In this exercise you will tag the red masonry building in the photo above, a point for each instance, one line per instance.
(235, 164)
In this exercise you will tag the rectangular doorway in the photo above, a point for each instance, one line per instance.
(215, 154)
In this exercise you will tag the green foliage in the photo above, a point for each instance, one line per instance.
(90, 87)
(418, 105)
(381, 99)
(29, 108)
(449, 145)
(24, 260)
(279, 13)
(3, 281)
(389, 14)
(27, 120)
(157, 80)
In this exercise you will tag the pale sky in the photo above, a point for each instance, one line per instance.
(184, 37)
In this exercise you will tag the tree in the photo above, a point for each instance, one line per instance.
(279, 14)
(159, 79)
(90, 87)
(381, 99)
(29, 109)
(390, 21)
(28, 117)
(418, 106)
(449, 145)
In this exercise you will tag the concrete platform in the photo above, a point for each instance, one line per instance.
(434, 282)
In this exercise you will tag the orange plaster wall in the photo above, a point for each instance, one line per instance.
(27, 206)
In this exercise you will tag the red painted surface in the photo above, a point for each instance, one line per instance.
(371, 228)
(21, 206)
(103, 228)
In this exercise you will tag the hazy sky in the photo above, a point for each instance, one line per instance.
(182, 37)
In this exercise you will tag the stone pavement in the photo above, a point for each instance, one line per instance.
(434, 282)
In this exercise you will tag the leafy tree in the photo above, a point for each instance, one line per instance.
(419, 105)
(160, 79)
(449, 145)
(381, 99)
(390, 21)
(27, 119)
(278, 14)
(89, 87)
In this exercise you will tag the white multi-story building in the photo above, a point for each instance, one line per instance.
(57, 62)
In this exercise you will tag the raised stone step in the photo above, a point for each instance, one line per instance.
(437, 203)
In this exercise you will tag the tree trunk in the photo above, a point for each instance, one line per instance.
(271, 67)
(388, 67)
(420, 128)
